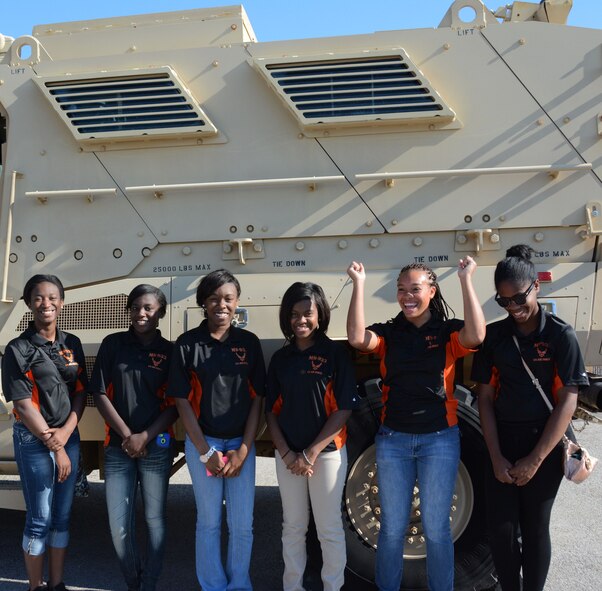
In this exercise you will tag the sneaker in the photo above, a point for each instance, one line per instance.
(59, 587)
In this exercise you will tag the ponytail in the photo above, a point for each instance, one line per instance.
(516, 267)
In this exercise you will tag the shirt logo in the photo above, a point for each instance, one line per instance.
(543, 353)
(67, 355)
(241, 355)
(316, 363)
(156, 360)
(431, 341)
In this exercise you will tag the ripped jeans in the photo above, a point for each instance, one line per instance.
(48, 501)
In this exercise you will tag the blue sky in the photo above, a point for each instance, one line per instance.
(271, 19)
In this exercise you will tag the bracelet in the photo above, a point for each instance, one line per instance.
(306, 458)
(288, 451)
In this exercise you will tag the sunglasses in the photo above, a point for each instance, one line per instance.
(520, 299)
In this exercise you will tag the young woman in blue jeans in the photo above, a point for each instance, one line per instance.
(218, 378)
(128, 382)
(419, 436)
(43, 373)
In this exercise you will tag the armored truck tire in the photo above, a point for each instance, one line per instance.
(474, 568)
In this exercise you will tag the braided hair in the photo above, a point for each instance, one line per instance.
(437, 305)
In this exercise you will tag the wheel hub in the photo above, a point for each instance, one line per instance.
(363, 505)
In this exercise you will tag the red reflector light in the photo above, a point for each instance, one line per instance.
(544, 276)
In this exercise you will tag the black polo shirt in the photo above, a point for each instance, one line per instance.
(134, 378)
(49, 373)
(551, 352)
(219, 378)
(306, 387)
(418, 371)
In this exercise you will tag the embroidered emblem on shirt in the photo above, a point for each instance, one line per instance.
(67, 354)
(316, 364)
(241, 355)
(431, 341)
(156, 360)
(543, 353)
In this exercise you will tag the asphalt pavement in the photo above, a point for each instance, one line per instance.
(91, 564)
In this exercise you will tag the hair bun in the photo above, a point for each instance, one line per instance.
(521, 251)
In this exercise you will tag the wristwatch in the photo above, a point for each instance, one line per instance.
(205, 457)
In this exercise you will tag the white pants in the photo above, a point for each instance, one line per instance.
(324, 490)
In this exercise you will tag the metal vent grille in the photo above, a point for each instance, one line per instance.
(126, 105)
(89, 367)
(106, 313)
(356, 90)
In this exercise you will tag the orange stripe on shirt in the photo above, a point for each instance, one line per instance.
(556, 385)
(35, 393)
(277, 406)
(495, 380)
(381, 351)
(195, 394)
(449, 375)
(331, 406)
(79, 387)
(251, 390)
(110, 395)
(454, 350)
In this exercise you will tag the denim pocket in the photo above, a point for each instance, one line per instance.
(385, 432)
(25, 436)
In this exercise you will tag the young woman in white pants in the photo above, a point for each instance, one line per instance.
(311, 392)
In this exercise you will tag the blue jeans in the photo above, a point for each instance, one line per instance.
(48, 501)
(123, 474)
(209, 493)
(433, 459)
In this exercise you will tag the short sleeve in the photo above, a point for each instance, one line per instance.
(381, 331)
(482, 364)
(569, 361)
(456, 348)
(15, 383)
(103, 368)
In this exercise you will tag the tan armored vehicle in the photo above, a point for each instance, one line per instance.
(159, 147)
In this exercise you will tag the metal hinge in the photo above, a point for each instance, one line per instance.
(242, 249)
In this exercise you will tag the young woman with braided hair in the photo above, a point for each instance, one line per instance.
(419, 437)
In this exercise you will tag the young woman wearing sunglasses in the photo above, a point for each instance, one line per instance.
(522, 437)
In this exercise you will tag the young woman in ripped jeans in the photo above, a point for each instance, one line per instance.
(43, 374)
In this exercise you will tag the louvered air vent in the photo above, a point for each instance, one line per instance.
(358, 90)
(126, 106)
